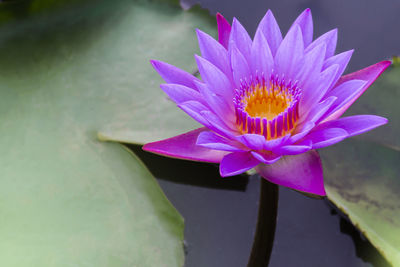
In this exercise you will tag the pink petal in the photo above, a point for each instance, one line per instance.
(212, 141)
(301, 172)
(270, 29)
(237, 163)
(369, 74)
(224, 30)
(194, 109)
(355, 125)
(304, 20)
(184, 147)
(252, 141)
(172, 74)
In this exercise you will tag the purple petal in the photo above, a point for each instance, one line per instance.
(180, 93)
(369, 74)
(344, 93)
(301, 131)
(355, 125)
(184, 147)
(252, 141)
(217, 125)
(313, 93)
(224, 30)
(241, 38)
(237, 163)
(213, 141)
(266, 158)
(301, 172)
(194, 109)
(240, 68)
(341, 60)
(217, 104)
(293, 149)
(214, 52)
(330, 39)
(270, 29)
(290, 53)
(323, 137)
(320, 109)
(172, 74)
(313, 62)
(215, 78)
(262, 61)
(304, 20)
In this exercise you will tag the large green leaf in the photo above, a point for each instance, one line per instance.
(363, 180)
(67, 199)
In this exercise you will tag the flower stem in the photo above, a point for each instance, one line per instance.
(266, 223)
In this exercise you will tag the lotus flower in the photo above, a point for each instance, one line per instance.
(267, 103)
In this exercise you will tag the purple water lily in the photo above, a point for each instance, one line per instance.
(267, 103)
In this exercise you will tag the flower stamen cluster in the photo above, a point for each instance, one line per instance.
(268, 107)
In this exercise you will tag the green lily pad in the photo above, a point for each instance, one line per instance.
(363, 180)
(151, 115)
(67, 199)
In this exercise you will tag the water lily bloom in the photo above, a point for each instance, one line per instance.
(267, 103)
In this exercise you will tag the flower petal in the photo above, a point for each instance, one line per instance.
(270, 29)
(252, 141)
(320, 109)
(213, 141)
(194, 109)
(214, 78)
(330, 39)
(240, 68)
(355, 125)
(180, 93)
(240, 38)
(301, 172)
(290, 53)
(224, 30)
(369, 74)
(266, 158)
(217, 104)
(341, 60)
(214, 52)
(304, 20)
(293, 149)
(322, 137)
(313, 62)
(184, 147)
(345, 92)
(262, 61)
(172, 74)
(236, 163)
(313, 93)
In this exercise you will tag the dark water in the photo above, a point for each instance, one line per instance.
(220, 213)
